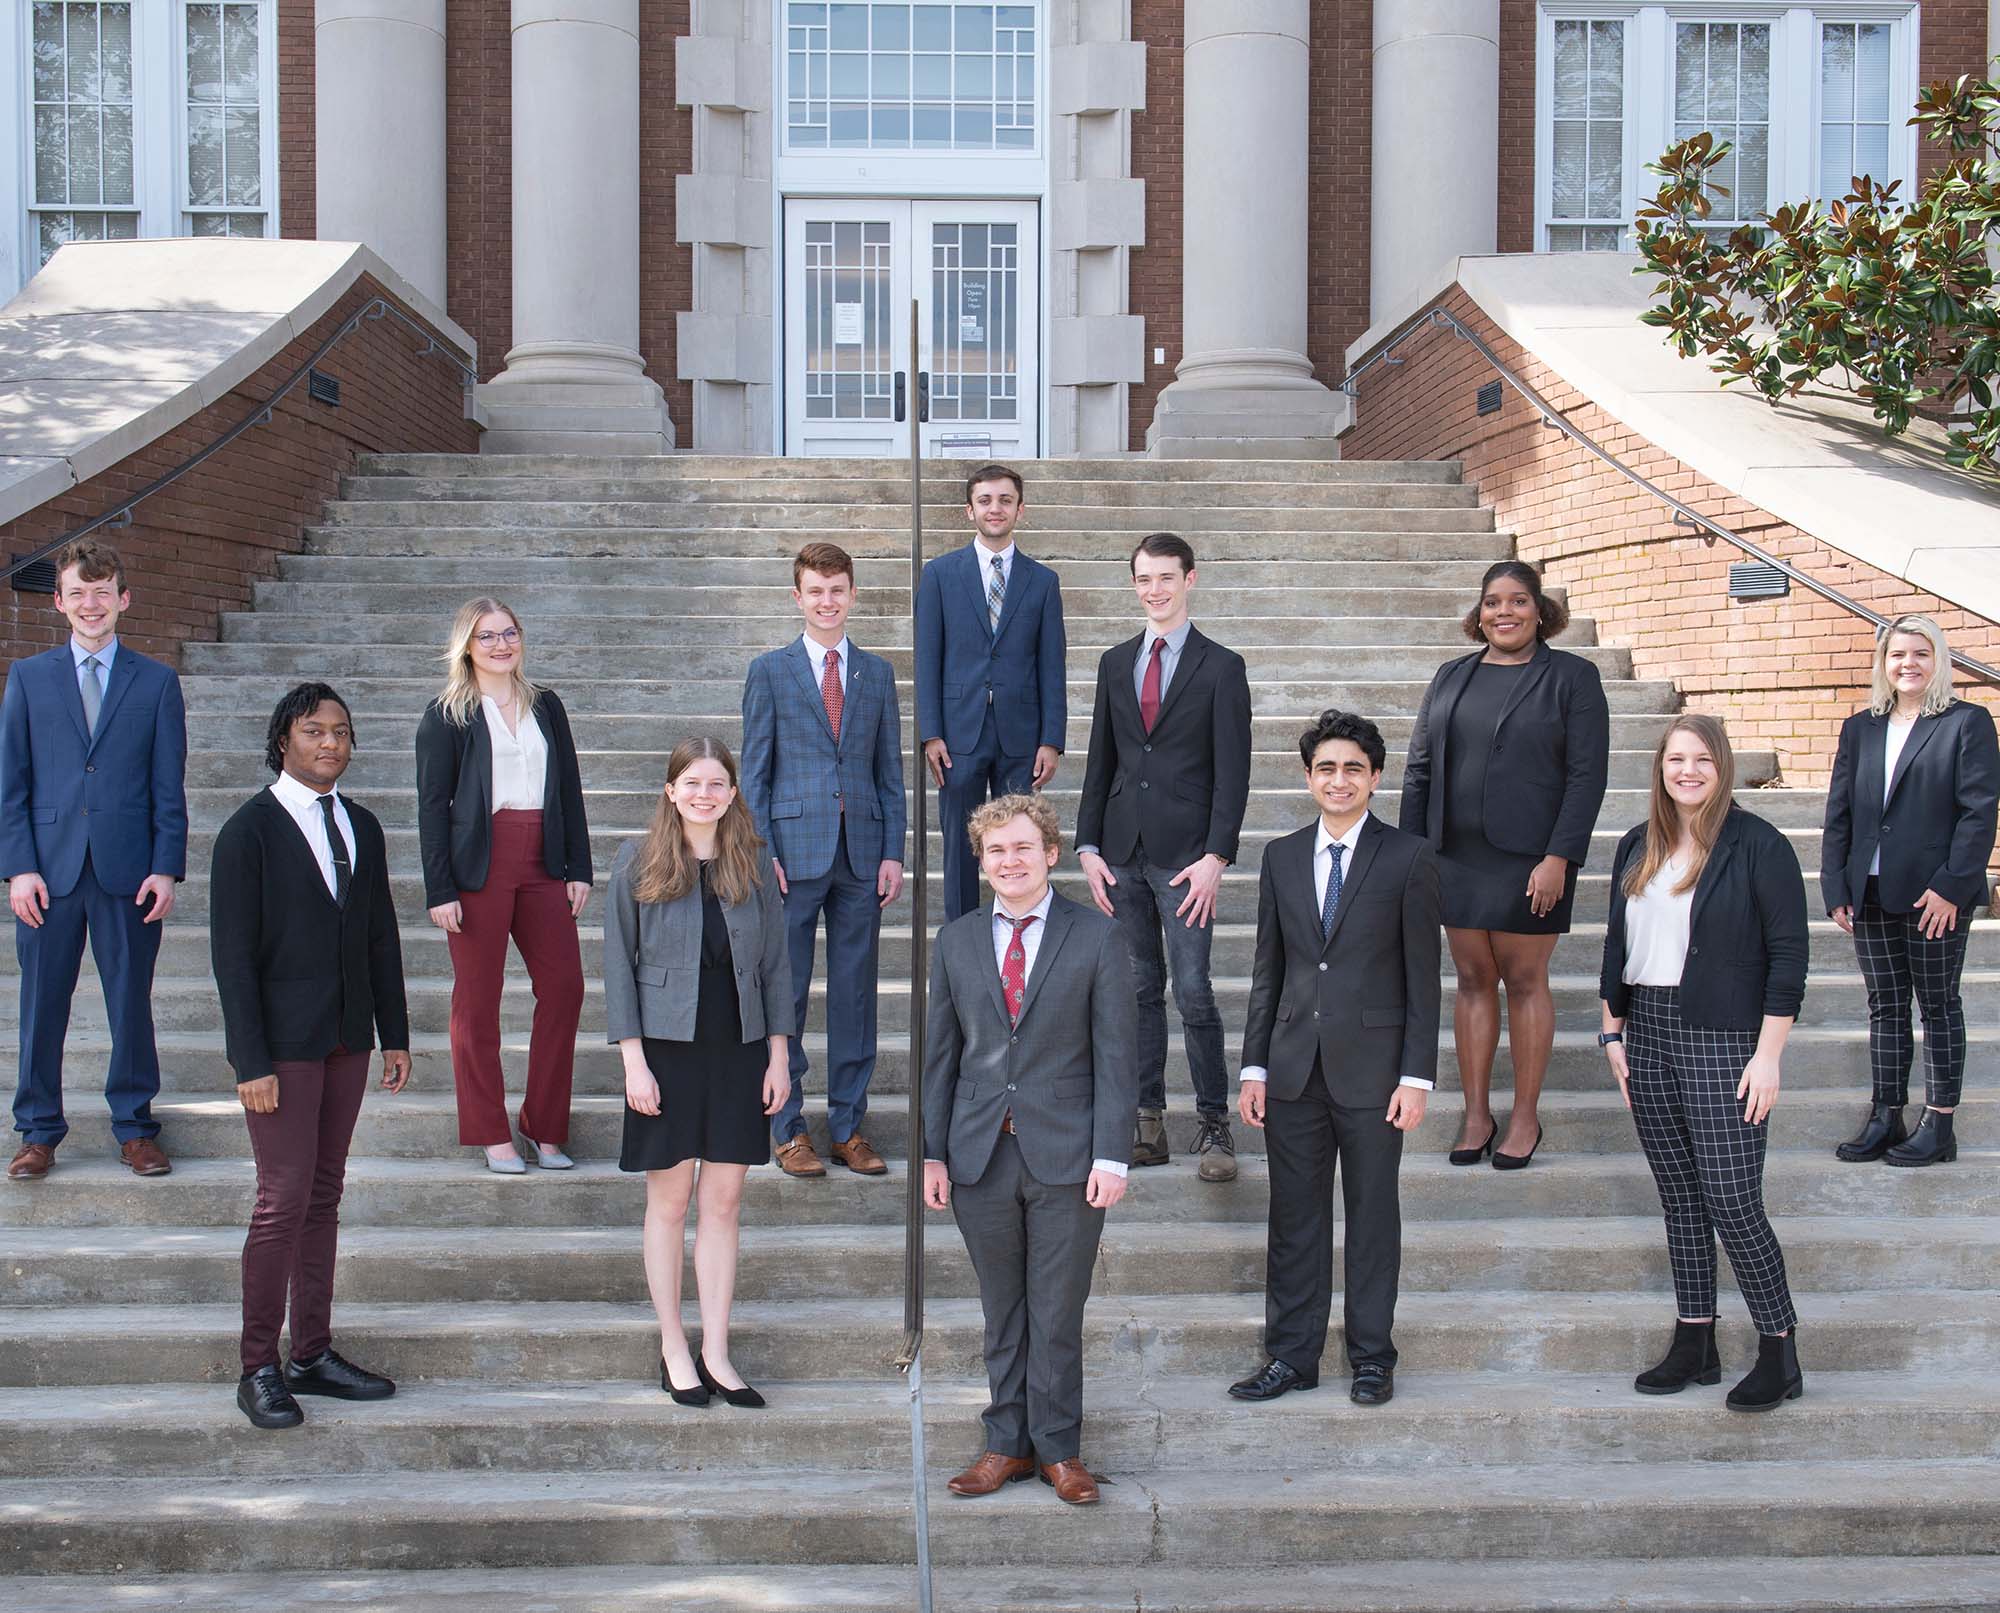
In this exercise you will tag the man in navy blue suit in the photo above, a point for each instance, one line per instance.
(992, 702)
(822, 774)
(93, 837)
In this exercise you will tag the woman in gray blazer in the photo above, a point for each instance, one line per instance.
(698, 1000)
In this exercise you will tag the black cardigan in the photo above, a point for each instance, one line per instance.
(1936, 831)
(1546, 773)
(298, 974)
(454, 789)
(1747, 944)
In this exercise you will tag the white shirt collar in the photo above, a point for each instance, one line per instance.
(1321, 839)
(1175, 641)
(817, 653)
(78, 654)
(1040, 910)
(299, 797)
(988, 556)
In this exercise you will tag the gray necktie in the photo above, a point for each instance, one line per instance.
(93, 692)
(996, 596)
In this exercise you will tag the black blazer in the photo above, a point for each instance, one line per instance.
(1180, 791)
(454, 791)
(1546, 772)
(1364, 1000)
(1936, 831)
(1747, 944)
(298, 974)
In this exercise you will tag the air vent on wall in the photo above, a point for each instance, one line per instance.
(1489, 398)
(323, 388)
(40, 578)
(1757, 579)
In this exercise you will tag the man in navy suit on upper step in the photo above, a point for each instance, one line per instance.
(992, 704)
(93, 838)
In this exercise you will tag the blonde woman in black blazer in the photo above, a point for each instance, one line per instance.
(1505, 778)
(1909, 825)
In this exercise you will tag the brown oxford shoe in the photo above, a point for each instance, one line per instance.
(796, 1158)
(858, 1157)
(1072, 1482)
(990, 1473)
(144, 1157)
(32, 1163)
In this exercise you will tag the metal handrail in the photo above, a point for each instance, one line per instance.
(120, 515)
(1684, 514)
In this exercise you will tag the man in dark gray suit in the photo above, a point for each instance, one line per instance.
(1339, 1059)
(1030, 1091)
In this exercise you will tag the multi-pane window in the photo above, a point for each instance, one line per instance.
(83, 187)
(1722, 84)
(224, 120)
(1854, 104)
(1587, 146)
(899, 77)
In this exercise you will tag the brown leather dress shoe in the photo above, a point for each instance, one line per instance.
(32, 1163)
(990, 1473)
(144, 1157)
(796, 1158)
(858, 1157)
(1072, 1482)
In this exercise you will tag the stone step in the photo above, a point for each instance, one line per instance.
(763, 470)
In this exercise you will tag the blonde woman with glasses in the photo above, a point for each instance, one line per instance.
(1909, 826)
(506, 851)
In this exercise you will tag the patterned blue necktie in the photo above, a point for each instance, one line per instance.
(1332, 903)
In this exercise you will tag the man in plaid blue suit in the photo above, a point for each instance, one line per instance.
(822, 774)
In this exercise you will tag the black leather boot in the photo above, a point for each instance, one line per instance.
(1879, 1133)
(1690, 1359)
(1930, 1144)
(1774, 1379)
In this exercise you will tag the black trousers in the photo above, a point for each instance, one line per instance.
(1898, 961)
(1305, 1138)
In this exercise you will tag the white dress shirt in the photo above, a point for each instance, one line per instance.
(987, 557)
(302, 802)
(1658, 926)
(816, 654)
(520, 760)
(1893, 741)
(1323, 844)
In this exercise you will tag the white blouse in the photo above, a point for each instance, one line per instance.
(1893, 741)
(1657, 926)
(520, 761)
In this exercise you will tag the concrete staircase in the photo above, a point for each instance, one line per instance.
(530, 1457)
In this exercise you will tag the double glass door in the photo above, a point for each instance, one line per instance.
(851, 381)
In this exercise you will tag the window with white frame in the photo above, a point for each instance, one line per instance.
(83, 186)
(223, 110)
(1807, 96)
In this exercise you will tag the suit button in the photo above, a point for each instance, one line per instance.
(1885, 828)
(1144, 784)
(1694, 952)
(1010, 1086)
(90, 767)
(1148, 749)
(1322, 968)
(1010, 1042)
(86, 812)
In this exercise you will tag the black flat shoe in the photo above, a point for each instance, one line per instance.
(1930, 1144)
(1372, 1386)
(1273, 1380)
(1880, 1132)
(1472, 1156)
(330, 1374)
(266, 1401)
(697, 1396)
(1516, 1162)
(746, 1397)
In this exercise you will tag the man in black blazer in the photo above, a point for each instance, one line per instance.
(309, 967)
(1339, 1059)
(1164, 793)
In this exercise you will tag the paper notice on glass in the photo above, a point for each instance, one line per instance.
(847, 323)
(969, 329)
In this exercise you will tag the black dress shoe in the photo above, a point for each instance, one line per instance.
(1504, 1161)
(697, 1396)
(266, 1401)
(330, 1374)
(1879, 1133)
(1472, 1156)
(1274, 1380)
(745, 1397)
(1372, 1386)
(1930, 1144)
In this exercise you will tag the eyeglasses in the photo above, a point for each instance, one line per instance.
(506, 635)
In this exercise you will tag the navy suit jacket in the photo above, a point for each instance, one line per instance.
(118, 795)
(796, 779)
(963, 665)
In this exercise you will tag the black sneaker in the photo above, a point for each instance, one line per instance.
(266, 1401)
(329, 1374)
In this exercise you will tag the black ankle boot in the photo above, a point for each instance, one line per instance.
(1930, 1144)
(1775, 1377)
(1691, 1359)
(1879, 1133)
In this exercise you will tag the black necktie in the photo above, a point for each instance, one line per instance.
(343, 870)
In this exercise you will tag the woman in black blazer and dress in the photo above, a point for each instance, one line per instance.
(1704, 970)
(1505, 778)
(506, 851)
(1909, 825)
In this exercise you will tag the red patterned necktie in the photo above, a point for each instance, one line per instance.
(1149, 691)
(831, 693)
(1014, 968)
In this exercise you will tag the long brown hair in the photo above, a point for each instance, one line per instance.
(1663, 821)
(666, 870)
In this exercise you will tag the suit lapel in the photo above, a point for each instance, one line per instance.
(1538, 669)
(1364, 859)
(1296, 874)
(801, 665)
(1920, 736)
(69, 690)
(1718, 860)
(295, 836)
(124, 669)
(1868, 765)
(1440, 718)
(1193, 652)
(975, 570)
(1056, 931)
(1018, 580)
(988, 970)
(1124, 662)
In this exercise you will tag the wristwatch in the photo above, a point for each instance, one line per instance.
(1606, 1038)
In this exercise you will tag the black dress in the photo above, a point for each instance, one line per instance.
(712, 1088)
(1483, 887)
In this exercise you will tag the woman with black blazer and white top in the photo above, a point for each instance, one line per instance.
(1704, 971)
(1505, 778)
(1909, 825)
(506, 851)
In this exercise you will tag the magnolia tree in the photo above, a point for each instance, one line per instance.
(1888, 302)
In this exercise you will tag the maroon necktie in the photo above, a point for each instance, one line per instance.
(830, 692)
(1149, 691)
(1014, 968)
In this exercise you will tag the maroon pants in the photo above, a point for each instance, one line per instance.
(521, 900)
(301, 1151)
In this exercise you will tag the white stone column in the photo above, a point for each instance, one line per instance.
(574, 380)
(379, 128)
(1435, 190)
(1244, 386)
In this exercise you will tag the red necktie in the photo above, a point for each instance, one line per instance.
(1014, 969)
(1149, 691)
(830, 692)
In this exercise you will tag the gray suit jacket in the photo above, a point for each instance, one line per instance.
(652, 959)
(1069, 1068)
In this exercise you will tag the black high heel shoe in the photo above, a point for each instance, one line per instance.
(746, 1397)
(1472, 1156)
(1516, 1162)
(697, 1396)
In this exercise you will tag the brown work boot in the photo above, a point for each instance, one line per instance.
(990, 1473)
(1217, 1150)
(796, 1158)
(1071, 1481)
(858, 1157)
(1149, 1146)
(32, 1163)
(144, 1157)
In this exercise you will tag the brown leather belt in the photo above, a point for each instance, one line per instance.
(1007, 1124)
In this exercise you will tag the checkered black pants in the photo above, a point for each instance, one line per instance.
(1897, 961)
(1707, 1163)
